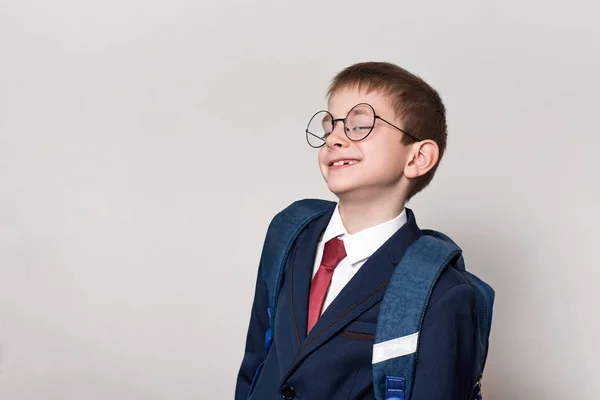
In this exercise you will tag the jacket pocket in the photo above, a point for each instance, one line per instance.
(358, 336)
(360, 330)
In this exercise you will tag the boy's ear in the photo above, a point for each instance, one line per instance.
(422, 157)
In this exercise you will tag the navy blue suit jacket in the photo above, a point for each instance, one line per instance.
(334, 360)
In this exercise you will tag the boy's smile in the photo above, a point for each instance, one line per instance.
(342, 163)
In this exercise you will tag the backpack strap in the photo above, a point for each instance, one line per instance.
(283, 231)
(402, 312)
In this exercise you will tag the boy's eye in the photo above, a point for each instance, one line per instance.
(361, 128)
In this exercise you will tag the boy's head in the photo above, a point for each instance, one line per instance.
(387, 124)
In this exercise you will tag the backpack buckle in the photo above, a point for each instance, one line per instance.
(394, 388)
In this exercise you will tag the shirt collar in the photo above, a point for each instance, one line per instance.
(363, 244)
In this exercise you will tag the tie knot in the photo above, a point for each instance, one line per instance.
(333, 253)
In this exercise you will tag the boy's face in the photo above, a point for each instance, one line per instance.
(378, 161)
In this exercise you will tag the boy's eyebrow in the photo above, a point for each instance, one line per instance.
(354, 111)
(359, 111)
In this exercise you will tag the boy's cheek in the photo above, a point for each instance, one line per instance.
(321, 155)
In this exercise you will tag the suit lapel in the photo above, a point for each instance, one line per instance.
(364, 290)
(302, 263)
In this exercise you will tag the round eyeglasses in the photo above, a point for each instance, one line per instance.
(358, 124)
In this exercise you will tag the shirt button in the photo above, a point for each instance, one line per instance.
(288, 392)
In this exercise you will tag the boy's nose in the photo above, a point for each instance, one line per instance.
(337, 137)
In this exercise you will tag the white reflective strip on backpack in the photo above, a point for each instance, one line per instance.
(398, 347)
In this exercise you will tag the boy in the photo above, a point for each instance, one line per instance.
(380, 143)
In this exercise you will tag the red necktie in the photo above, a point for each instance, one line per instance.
(333, 253)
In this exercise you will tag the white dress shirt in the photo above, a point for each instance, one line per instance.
(359, 247)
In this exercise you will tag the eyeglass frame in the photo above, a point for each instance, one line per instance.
(334, 121)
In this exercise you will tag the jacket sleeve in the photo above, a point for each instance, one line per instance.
(447, 347)
(254, 353)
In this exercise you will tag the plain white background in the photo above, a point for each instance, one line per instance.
(145, 145)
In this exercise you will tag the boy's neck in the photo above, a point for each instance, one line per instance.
(358, 215)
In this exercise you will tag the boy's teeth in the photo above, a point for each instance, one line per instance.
(349, 162)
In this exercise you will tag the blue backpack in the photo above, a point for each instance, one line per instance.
(426, 259)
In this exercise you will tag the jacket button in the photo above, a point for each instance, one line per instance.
(288, 392)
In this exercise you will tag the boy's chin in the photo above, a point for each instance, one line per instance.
(338, 187)
(343, 189)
